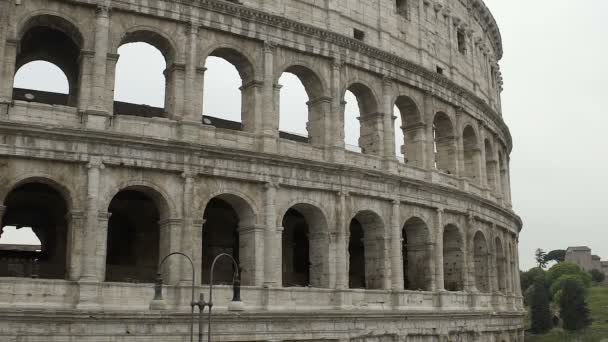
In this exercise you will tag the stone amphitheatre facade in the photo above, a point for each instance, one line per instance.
(334, 245)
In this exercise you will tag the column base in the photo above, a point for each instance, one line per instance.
(96, 119)
(89, 296)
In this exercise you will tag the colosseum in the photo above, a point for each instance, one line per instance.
(332, 244)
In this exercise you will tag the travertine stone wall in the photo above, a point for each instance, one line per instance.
(439, 233)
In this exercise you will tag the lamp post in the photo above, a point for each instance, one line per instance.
(235, 304)
(158, 290)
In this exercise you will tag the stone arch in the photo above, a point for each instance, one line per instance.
(160, 196)
(41, 205)
(416, 253)
(481, 264)
(501, 267)
(471, 153)
(370, 120)
(55, 39)
(305, 244)
(367, 227)
(453, 258)
(445, 143)
(245, 68)
(64, 190)
(318, 103)
(491, 165)
(228, 221)
(164, 44)
(134, 234)
(413, 129)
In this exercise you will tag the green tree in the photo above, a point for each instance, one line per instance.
(558, 270)
(540, 258)
(573, 308)
(557, 255)
(540, 314)
(558, 284)
(527, 278)
(597, 276)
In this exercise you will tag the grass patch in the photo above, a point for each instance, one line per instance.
(597, 300)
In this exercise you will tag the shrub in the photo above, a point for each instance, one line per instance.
(573, 308)
(540, 312)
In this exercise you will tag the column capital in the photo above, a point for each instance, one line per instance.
(188, 175)
(271, 185)
(269, 47)
(95, 162)
(103, 10)
(192, 27)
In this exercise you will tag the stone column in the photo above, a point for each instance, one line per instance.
(469, 253)
(101, 245)
(174, 95)
(5, 12)
(337, 112)
(190, 240)
(98, 80)
(175, 270)
(270, 127)
(516, 267)
(429, 113)
(509, 280)
(272, 241)
(253, 112)
(193, 106)
(91, 254)
(76, 226)
(372, 133)
(439, 281)
(8, 75)
(396, 248)
(389, 120)
(342, 243)
(112, 59)
(252, 254)
(482, 158)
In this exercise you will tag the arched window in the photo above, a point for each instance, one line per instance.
(302, 106)
(144, 76)
(43, 82)
(416, 255)
(366, 254)
(56, 41)
(453, 259)
(409, 131)
(369, 121)
(480, 258)
(229, 91)
(471, 154)
(225, 216)
(445, 144)
(305, 247)
(35, 216)
(133, 238)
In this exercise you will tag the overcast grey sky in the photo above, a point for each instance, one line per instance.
(555, 77)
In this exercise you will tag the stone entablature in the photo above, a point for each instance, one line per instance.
(438, 232)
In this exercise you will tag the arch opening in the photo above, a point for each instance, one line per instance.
(133, 238)
(305, 247)
(416, 254)
(144, 76)
(444, 144)
(56, 41)
(480, 258)
(471, 154)
(453, 259)
(366, 252)
(227, 217)
(229, 91)
(364, 117)
(409, 131)
(35, 216)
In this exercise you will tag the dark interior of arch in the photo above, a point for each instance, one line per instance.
(42, 208)
(410, 115)
(501, 268)
(416, 255)
(220, 235)
(296, 258)
(54, 40)
(469, 141)
(133, 238)
(453, 262)
(445, 151)
(480, 259)
(356, 252)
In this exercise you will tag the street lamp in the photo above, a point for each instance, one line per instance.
(235, 305)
